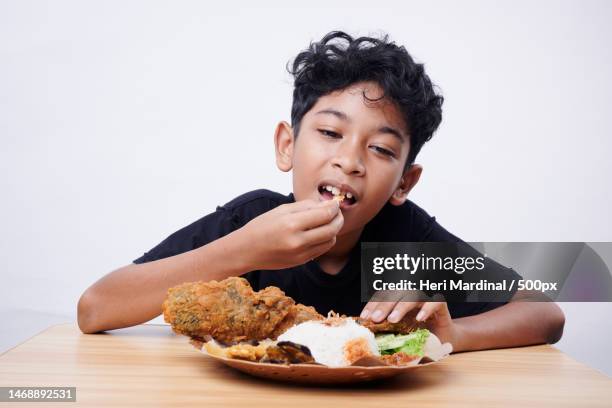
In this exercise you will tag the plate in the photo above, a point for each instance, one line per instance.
(366, 369)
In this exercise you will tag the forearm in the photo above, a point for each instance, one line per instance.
(511, 325)
(134, 293)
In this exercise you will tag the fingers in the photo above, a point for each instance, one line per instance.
(377, 311)
(314, 217)
(380, 305)
(376, 299)
(319, 249)
(367, 311)
(303, 205)
(324, 233)
(396, 306)
(395, 311)
(400, 310)
(431, 308)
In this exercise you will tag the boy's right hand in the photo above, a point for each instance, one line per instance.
(292, 234)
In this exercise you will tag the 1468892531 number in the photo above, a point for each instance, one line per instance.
(65, 394)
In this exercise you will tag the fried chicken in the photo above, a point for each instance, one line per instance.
(230, 311)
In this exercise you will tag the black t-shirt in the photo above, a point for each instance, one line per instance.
(308, 283)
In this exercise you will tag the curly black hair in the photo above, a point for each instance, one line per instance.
(330, 65)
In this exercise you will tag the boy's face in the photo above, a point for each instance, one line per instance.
(355, 145)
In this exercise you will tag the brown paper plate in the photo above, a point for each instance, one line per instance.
(366, 369)
(314, 373)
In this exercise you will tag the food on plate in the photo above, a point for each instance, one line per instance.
(265, 351)
(228, 319)
(335, 341)
(251, 351)
(411, 343)
(286, 352)
(402, 348)
(230, 311)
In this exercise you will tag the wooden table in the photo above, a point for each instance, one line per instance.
(148, 365)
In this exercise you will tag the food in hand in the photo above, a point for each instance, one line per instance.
(336, 193)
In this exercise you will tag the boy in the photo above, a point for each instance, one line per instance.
(362, 110)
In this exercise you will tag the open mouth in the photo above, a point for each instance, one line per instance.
(329, 192)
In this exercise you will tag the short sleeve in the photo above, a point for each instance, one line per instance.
(207, 229)
(495, 272)
(436, 233)
(226, 219)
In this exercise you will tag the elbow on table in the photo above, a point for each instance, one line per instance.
(85, 313)
(556, 325)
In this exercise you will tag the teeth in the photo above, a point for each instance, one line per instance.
(337, 193)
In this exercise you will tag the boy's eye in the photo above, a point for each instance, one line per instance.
(329, 133)
(384, 151)
(334, 135)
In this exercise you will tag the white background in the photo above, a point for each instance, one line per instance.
(122, 121)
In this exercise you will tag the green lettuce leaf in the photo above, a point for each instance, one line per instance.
(412, 343)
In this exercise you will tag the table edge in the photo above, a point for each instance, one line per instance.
(74, 323)
(35, 335)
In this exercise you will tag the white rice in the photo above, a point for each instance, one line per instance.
(327, 342)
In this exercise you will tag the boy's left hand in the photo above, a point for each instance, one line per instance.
(435, 315)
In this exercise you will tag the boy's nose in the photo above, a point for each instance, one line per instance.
(348, 159)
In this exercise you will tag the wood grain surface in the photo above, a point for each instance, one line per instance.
(148, 365)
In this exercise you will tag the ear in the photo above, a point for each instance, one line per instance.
(283, 144)
(407, 182)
